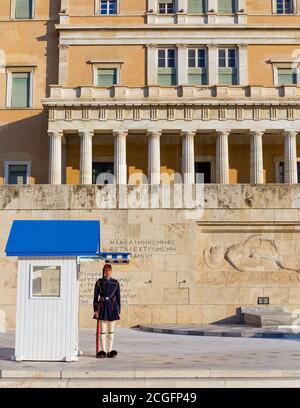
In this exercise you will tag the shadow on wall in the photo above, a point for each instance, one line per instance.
(26, 140)
(51, 49)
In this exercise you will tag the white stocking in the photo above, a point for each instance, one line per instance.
(103, 334)
(111, 334)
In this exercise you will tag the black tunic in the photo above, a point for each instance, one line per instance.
(107, 300)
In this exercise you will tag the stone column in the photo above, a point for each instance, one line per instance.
(152, 5)
(182, 5)
(151, 64)
(182, 70)
(64, 4)
(243, 64)
(256, 157)
(63, 64)
(290, 157)
(213, 64)
(154, 157)
(188, 158)
(55, 151)
(212, 5)
(120, 162)
(222, 159)
(242, 5)
(86, 157)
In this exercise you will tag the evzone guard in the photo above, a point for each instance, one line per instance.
(107, 309)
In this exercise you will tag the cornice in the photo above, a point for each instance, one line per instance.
(174, 27)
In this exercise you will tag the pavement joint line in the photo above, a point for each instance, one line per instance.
(232, 331)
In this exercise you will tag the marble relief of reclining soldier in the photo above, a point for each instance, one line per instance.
(254, 254)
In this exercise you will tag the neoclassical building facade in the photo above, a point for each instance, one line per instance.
(149, 87)
(161, 92)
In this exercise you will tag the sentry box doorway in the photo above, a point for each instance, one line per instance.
(49, 257)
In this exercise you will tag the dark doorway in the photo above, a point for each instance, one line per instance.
(203, 172)
(103, 173)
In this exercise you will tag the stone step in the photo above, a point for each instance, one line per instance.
(269, 319)
(262, 309)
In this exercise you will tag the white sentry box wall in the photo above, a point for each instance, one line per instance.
(47, 327)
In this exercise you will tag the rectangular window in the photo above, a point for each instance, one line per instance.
(197, 6)
(20, 89)
(108, 6)
(17, 174)
(227, 6)
(45, 281)
(166, 70)
(106, 77)
(287, 76)
(284, 6)
(197, 69)
(23, 9)
(227, 66)
(166, 6)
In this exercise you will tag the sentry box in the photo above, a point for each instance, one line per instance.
(49, 257)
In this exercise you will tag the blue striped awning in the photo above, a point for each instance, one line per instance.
(109, 257)
(115, 257)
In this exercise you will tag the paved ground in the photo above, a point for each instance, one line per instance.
(153, 359)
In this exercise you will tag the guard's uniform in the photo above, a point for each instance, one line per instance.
(107, 300)
(107, 303)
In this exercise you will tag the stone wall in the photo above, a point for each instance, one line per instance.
(183, 270)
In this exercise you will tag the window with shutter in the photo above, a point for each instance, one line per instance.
(106, 77)
(197, 6)
(228, 73)
(287, 76)
(108, 6)
(20, 90)
(227, 6)
(284, 6)
(197, 67)
(166, 71)
(23, 9)
(166, 6)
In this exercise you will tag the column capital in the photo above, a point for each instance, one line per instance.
(157, 133)
(191, 133)
(258, 132)
(213, 46)
(290, 133)
(223, 132)
(82, 133)
(182, 45)
(55, 133)
(151, 45)
(242, 46)
(123, 133)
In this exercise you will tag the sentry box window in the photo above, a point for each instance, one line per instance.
(45, 281)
